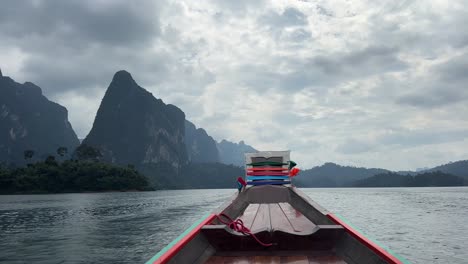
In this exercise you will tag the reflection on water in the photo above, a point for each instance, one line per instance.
(424, 225)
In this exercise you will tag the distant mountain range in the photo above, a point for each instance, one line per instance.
(334, 175)
(199, 145)
(422, 179)
(133, 127)
(233, 153)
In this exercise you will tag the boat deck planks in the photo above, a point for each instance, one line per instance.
(275, 260)
(275, 216)
(249, 214)
(296, 218)
(261, 219)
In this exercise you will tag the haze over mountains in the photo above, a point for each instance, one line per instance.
(133, 127)
(233, 153)
(200, 146)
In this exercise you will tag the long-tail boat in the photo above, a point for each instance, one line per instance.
(271, 221)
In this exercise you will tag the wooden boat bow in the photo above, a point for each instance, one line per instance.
(272, 221)
(298, 228)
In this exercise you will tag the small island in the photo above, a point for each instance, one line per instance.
(84, 173)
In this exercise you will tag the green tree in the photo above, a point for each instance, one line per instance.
(86, 152)
(7, 182)
(28, 154)
(62, 151)
(50, 161)
(50, 176)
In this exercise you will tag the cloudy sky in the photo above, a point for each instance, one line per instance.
(364, 83)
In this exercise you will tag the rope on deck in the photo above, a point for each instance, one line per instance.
(238, 226)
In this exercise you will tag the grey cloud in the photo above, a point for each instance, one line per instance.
(239, 7)
(94, 69)
(306, 146)
(335, 68)
(80, 22)
(324, 11)
(402, 138)
(78, 45)
(409, 138)
(257, 77)
(419, 28)
(371, 60)
(287, 27)
(433, 97)
(295, 36)
(320, 72)
(89, 69)
(445, 85)
(454, 71)
(289, 17)
(355, 146)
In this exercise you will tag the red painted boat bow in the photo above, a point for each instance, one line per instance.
(181, 243)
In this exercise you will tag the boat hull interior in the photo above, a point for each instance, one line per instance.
(300, 231)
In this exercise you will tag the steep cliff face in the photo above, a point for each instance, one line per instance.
(133, 127)
(200, 146)
(29, 121)
(233, 153)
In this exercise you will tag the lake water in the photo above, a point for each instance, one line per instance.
(424, 225)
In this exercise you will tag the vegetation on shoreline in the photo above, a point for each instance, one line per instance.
(85, 172)
(51, 176)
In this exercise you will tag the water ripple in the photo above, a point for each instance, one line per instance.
(425, 225)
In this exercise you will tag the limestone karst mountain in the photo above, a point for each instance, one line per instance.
(200, 146)
(29, 122)
(134, 127)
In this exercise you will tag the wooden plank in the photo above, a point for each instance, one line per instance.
(326, 260)
(280, 216)
(267, 259)
(238, 260)
(230, 260)
(279, 220)
(262, 218)
(299, 222)
(275, 260)
(249, 214)
(215, 260)
(295, 260)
